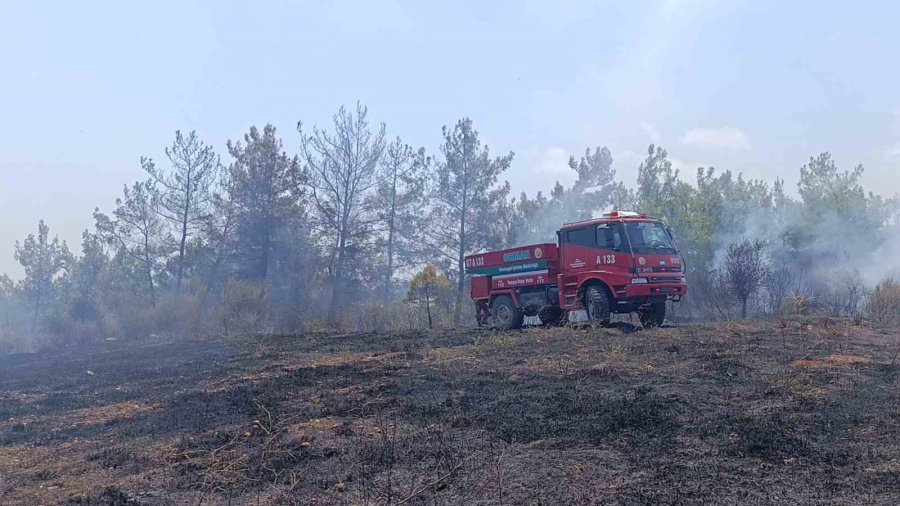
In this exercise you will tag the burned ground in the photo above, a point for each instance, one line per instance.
(803, 412)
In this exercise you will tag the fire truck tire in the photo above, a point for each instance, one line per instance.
(596, 302)
(652, 314)
(506, 315)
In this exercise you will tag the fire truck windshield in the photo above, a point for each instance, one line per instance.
(649, 237)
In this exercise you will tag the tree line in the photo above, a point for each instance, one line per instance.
(331, 236)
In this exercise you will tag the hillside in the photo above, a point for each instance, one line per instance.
(753, 412)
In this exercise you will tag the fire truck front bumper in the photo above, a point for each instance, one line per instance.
(674, 289)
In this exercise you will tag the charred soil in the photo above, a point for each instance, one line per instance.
(798, 412)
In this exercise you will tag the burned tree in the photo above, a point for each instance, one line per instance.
(745, 270)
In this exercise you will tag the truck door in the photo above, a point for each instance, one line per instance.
(602, 248)
(578, 248)
(613, 254)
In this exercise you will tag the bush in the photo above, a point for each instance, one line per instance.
(779, 284)
(746, 268)
(883, 305)
(246, 307)
(710, 296)
(62, 330)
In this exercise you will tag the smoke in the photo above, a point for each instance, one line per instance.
(540, 219)
(829, 255)
(884, 261)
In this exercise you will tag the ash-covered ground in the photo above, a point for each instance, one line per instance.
(752, 412)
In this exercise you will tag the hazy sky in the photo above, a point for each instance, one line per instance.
(86, 88)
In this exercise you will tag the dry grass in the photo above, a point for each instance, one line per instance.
(831, 361)
(119, 412)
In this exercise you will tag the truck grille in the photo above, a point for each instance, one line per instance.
(658, 279)
(648, 270)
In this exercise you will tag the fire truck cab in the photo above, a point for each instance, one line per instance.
(622, 262)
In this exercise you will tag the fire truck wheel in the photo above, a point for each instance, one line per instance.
(596, 301)
(505, 313)
(652, 314)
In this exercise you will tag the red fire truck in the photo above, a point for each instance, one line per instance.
(622, 262)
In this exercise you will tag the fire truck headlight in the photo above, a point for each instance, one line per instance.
(639, 281)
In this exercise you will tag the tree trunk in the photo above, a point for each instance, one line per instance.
(149, 268)
(181, 258)
(389, 275)
(460, 287)
(463, 214)
(266, 246)
(338, 288)
(461, 262)
(183, 242)
(744, 308)
(37, 312)
(428, 308)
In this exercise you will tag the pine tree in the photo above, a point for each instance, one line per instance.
(87, 277)
(137, 230)
(43, 259)
(595, 189)
(656, 183)
(186, 192)
(343, 174)
(219, 235)
(467, 201)
(595, 186)
(267, 192)
(824, 189)
(400, 198)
